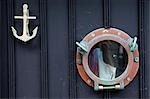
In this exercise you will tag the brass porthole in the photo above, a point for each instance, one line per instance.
(107, 59)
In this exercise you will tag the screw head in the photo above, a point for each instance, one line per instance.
(128, 78)
(92, 34)
(136, 59)
(89, 81)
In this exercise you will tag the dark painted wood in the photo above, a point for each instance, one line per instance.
(44, 49)
(0, 51)
(106, 13)
(4, 52)
(72, 48)
(142, 47)
(58, 68)
(11, 51)
(147, 47)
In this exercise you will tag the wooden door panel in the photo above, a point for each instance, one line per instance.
(58, 48)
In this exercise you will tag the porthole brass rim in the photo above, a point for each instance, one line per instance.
(101, 35)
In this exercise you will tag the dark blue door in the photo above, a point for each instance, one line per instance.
(45, 66)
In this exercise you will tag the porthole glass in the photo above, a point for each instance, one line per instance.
(108, 60)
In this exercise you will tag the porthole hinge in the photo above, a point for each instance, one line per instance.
(108, 87)
(133, 45)
(82, 47)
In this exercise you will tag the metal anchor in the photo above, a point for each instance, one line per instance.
(133, 45)
(26, 36)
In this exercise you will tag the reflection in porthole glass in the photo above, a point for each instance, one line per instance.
(108, 60)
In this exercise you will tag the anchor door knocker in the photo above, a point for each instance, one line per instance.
(26, 35)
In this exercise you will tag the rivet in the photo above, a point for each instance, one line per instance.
(128, 78)
(92, 34)
(119, 33)
(78, 61)
(105, 30)
(89, 81)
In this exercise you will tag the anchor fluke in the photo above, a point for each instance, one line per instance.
(14, 31)
(34, 32)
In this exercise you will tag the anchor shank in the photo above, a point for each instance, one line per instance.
(25, 26)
